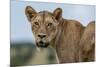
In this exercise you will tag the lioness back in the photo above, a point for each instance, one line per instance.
(87, 43)
(68, 38)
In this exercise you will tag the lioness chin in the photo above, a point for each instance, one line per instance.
(51, 29)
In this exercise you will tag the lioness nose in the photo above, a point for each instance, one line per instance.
(41, 35)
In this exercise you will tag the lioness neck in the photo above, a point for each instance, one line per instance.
(53, 42)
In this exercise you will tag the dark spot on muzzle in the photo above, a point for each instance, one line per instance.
(42, 44)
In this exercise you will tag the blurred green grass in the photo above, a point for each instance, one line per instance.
(25, 53)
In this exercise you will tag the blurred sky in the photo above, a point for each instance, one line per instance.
(21, 29)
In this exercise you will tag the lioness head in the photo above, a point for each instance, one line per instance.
(44, 25)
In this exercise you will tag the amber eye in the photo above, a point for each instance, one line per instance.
(49, 24)
(36, 23)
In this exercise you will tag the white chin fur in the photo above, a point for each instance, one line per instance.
(39, 49)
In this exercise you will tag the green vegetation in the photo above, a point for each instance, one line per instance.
(26, 54)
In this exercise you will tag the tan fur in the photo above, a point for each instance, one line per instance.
(67, 44)
(64, 35)
(87, 43)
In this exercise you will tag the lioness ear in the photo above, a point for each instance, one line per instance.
(57, 13)
(30, 12)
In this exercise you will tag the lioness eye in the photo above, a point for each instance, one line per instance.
(36, 23)
(49, 24)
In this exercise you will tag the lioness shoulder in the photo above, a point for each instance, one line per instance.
(67, 42)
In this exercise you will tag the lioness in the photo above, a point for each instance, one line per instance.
(52, 29)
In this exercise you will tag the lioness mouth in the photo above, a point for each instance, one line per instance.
(42, 44)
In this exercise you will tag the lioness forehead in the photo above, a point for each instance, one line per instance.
(44, 16)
